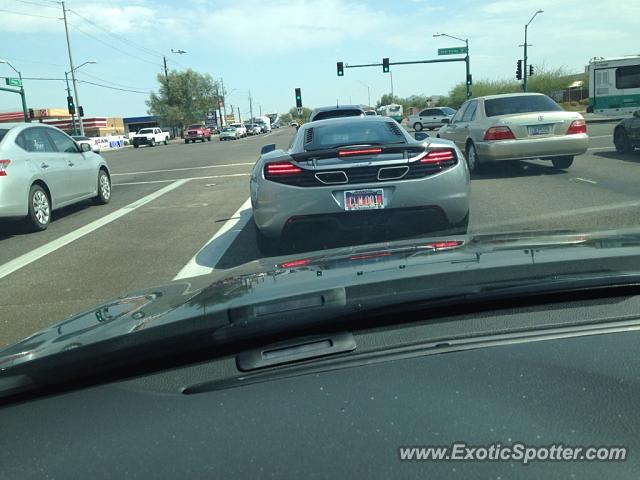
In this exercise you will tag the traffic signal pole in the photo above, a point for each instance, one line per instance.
(73, 115)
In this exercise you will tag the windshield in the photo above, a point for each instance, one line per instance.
(462, 146)
(519, 104)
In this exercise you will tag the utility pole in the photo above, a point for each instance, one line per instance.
(224, 101)
(391, 76)
(525, 71)
(73, 75)
(250, 106)
(239, 116)
(166, 72)
(260, 105)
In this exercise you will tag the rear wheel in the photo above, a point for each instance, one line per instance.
(562, 162)
(267, 246)
(135, 145)
(417, 127)
(473, 161)
(186, 140)
(166, 141)
(208, 139)
(39, 208)
(621, 140)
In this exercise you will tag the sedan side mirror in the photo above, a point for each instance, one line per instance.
(268, 148)
(420, 136)
(446, 120)
(85, 147)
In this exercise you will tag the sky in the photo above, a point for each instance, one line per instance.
(271, 47)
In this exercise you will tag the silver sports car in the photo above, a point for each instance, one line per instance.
(354, 172)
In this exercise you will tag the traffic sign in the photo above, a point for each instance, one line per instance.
(299, 110)
(452, 51)
(13, 82)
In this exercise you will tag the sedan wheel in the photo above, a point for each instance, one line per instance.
(104, 189)
(472, 158)
(562, 162)
(39, 208)
(621, 141)
(417, 127)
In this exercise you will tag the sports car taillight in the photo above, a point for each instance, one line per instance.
(577, 126)
(3, 167)
(499, 133)
(438, 156)
(280, 168)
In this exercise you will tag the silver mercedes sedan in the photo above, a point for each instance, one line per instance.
(351, 173)
(516, 126)
(43, 169)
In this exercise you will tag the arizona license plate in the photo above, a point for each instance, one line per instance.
(364, 199)
(539, 129)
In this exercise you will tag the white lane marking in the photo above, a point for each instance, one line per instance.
(585, 180)
(38, 253)
(210, 254)
(601, 148)
(179, 179)
(562, 214)
(601, 136)
(183, 169)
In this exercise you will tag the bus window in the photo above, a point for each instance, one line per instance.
(628, 77)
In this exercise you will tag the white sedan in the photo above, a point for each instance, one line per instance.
(43, 169)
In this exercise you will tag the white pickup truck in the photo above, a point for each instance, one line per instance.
(151, 137)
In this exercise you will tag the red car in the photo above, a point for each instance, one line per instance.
(197, 132)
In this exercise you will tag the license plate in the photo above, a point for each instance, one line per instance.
(364, 199)
(539, 129)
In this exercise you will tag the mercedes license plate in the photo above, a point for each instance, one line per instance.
(364, 199)
(539, 129)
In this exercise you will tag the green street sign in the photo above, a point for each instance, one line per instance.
(452, 51)
(13, 82)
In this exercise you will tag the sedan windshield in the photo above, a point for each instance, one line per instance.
(519, 104)
(146, 130)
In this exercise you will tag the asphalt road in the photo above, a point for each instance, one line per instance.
(182, 210)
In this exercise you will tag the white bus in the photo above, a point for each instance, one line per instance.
(393, 110)
(614, 85)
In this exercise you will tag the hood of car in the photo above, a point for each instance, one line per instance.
(508, 256)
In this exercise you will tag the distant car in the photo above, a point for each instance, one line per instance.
(346, 173)
(337, 111)
(197, 132)
(42, 169)
(430, 118)
(253, 129)
(516, 126)
(626, 135)
(80, 140)
(275, 125)
(293, 124)
(151, 137)
(230, 133)
(371, 113)
(240, 127)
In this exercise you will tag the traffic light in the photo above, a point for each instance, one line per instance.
(70, 105)
(469, 79)
(519, 70)
(80, 111)
(298, 98)
(531, 70)
(385, 65)
(340, 68)
(31, 114)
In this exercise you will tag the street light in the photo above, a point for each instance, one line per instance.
(368, 92)
(466, 59)
(24, 101)
(77, 107)
(524, 73)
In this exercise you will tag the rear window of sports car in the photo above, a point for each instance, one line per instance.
(356, 133)
(519, 104)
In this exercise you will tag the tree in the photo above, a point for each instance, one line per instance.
(306, 113)
(184, 97)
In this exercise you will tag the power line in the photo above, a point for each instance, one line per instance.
(27, 14)
(121, 38)
(124, 52)
(22, 60)
(36, 3)
(113, 83)
(112, 88)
